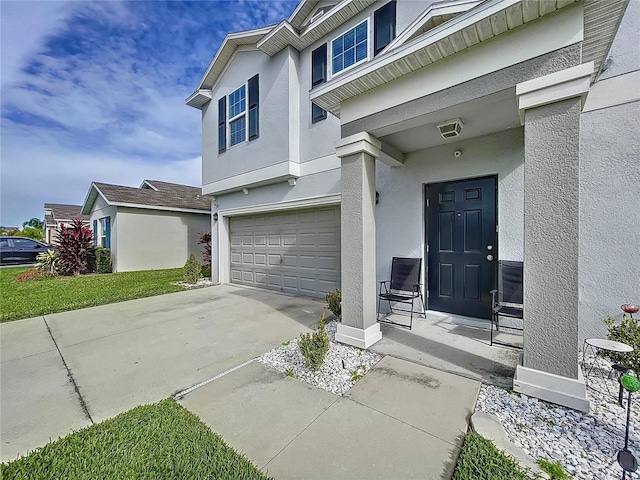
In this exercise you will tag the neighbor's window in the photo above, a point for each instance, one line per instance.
(350, 48)
(105, 232)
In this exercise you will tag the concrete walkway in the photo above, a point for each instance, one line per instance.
(66, 371)
(401, 421)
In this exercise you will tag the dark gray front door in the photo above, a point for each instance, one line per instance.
(461, 246)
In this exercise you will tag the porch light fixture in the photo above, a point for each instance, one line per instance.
(450, 128)
(215, 217)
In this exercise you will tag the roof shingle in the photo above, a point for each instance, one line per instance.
(169, 195)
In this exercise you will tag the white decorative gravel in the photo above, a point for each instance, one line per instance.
(203, 282)
(586, 444)
(336, 373)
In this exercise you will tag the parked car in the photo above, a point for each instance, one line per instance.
(19, 250)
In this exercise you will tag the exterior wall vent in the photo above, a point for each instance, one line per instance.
(450, 128)
(316, 15)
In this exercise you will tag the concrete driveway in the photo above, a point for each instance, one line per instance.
(64, 371)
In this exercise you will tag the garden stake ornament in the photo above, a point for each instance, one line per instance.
(626, 459)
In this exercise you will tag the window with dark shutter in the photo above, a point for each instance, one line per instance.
(319, 65)
(222, 124)
(317, 113)
(95, 232)
(384, 26)
(254, 99)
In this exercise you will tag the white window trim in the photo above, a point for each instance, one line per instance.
(102, 238)
(330, 50)
(240, 115)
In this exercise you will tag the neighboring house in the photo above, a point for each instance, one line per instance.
(462, 132)
(57, 213)
(151, 227)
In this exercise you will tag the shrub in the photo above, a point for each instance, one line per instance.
(191, 270)
(334, 302)
(48, 262)
(628, 331)
(314, 346)
(103, 260)
(75, 248)
(205, 239)
(33, 274)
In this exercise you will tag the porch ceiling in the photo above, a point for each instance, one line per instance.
(481, 116)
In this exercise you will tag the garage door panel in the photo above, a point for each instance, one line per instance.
(290, 260)
(297, 251)
(289, 239)
(274, 240)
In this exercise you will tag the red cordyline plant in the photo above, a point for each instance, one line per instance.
(75, 248)
(205, 239)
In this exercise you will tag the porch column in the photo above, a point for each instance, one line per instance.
(359, 325)
(550, 109)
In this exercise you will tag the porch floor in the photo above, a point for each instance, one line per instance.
(452, 344)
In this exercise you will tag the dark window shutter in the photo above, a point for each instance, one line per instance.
(107, 227)
(222, 124)
(317, 113)
(254, 100)
(95, 232)
(384, 26)
(319, 65)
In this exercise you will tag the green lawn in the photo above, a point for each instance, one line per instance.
(60, 294)
(160, 441)
(480, 460)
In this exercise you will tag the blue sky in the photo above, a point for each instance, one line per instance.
(94, 91)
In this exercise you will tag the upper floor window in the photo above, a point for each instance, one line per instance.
(384, 26)
(350, 48)
(237, 120)
(242, 111)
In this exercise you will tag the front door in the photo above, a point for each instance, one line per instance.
(461, 246)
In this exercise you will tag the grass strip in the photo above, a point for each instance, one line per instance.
(159, 441)
(480, 460)
(61, 294)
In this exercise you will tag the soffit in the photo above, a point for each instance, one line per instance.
(601, 21)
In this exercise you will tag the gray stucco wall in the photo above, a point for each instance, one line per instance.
(551, 238)
(609, 263)
(625, 51)
(401, 206)
(155, 239)
(323, 183)
(273, 144)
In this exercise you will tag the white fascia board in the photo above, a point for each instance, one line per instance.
(285, 31)
(454, 25)
(157, 207)
(569, 83)
(90, 199)
(310, 202)
(614, 91)
(146, 182)
(436, 9)
(231, 41)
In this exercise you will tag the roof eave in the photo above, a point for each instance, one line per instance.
(199, 98)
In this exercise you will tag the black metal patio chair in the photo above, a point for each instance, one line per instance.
(508, 300)
(404, 287)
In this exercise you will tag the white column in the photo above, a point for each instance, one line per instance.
(550, 109)
(359, 325)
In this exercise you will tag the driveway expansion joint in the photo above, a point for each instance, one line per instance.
(69, 374)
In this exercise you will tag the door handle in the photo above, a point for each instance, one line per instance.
(490, 257)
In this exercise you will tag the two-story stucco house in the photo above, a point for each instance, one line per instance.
(461, 132)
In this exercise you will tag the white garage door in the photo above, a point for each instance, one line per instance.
(292, 251)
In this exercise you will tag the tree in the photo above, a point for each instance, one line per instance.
(34, 223)
(31, 232)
